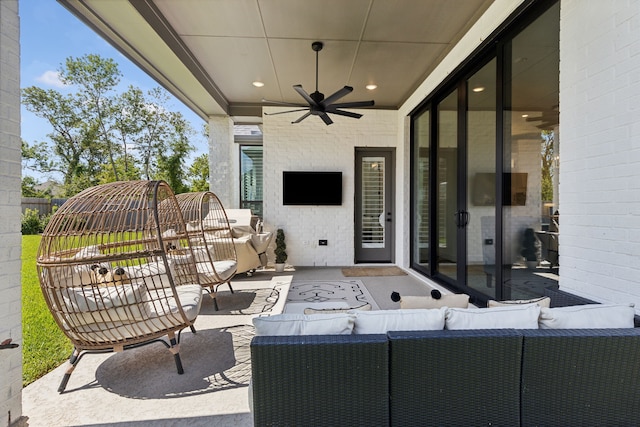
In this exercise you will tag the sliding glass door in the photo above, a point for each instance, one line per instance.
(485, 216)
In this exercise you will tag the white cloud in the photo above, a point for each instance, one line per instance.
(50, 78)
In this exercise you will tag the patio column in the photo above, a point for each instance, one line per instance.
(221, 179)
(10, 236)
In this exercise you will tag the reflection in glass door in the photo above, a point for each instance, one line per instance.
(447, 212)
(481, 173)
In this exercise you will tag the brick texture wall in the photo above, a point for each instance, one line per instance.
(10, 237)
(600, 149)
(313, 146)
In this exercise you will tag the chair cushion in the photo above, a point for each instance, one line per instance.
(303, 324)
(588, 316)
(524, 316)
(383, 321)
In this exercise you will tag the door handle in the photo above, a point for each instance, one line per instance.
(462, 218)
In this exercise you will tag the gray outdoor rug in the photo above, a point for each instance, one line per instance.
(321, 294)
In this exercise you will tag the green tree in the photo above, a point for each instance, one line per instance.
(198, 175)
(100, 135)
(547, 155)
(29, 185)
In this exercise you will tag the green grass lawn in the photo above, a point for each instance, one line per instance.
(44, 345)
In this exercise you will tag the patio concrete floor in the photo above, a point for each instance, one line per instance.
(140, 387)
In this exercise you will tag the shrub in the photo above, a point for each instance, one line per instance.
(31, 223)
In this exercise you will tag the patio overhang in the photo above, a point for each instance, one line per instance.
(207, 54)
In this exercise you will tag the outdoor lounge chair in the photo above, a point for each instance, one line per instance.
(210, 238)
(106, 275)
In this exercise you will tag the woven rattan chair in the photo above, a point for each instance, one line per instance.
(211, 239)
(105, 273)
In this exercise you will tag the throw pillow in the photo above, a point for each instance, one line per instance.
(382, 321)
(450, 300)
(542, 302)
(363, 307)
(596, 316)
(518, 317)
(303, 324)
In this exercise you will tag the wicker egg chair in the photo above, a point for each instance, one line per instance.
(105, 273)
(211, 239)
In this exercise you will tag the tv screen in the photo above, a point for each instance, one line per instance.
(312, 188)
(514, 189)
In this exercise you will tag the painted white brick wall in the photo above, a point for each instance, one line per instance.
(600, 149)
(10, 237)
(311, 145)
(222, 175)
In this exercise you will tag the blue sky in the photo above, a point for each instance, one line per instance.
(49, 34)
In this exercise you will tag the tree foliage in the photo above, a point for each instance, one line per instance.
(99, 135)
(547, 154)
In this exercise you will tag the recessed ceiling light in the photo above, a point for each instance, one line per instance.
(371, 87)
(478, 89)
(257, 84)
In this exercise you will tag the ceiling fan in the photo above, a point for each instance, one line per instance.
(318, 105)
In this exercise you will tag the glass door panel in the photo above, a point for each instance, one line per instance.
(530, 184)
(481, 173)
(421, 182)
(447, 187)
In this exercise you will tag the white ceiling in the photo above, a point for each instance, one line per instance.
(208, 52)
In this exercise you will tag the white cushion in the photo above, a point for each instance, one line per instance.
(587, 316)
(163, 315)
(154, 274)
(302, 324)
(94, 304)
(382, 321)
(224, 269)
(449, 300)
(542, 302)
(524, 316)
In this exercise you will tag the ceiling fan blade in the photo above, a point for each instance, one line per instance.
(325, 118)
(285, 104)
(304, 116)
(305, 95)
(356, 104)
(345, 113)
(285, 112)
(337, 95)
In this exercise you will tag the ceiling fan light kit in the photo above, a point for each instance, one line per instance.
(317, 104)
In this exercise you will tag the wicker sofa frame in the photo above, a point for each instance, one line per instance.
(105, 273)
(583, 377)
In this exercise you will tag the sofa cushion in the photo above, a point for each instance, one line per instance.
(383, 321)
(524, 316)
(303, 324)
(542, 302)
(450, 300)
(589, 316)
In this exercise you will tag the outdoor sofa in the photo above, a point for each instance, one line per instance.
(509, 377)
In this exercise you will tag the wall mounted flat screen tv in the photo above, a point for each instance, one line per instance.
(514, 189)
(312, 188)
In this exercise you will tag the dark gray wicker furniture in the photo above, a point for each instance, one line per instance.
(320, 380)
(585, 377)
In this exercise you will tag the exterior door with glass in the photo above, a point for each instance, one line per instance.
(374, 236)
